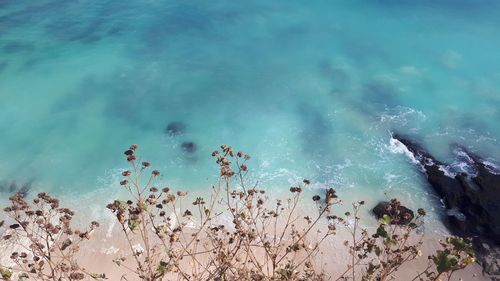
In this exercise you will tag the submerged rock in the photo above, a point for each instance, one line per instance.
(189, 147)
(3, 65)
(316, 130)
(18, 47)
(175, 128)
(380, 92)
(12, 187)
(472, 200)
(404, 215)
(25, 188)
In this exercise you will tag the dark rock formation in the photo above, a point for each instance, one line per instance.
(405, 215)
(175, 128)
(472, 200)
(447, 188)
(189, 147)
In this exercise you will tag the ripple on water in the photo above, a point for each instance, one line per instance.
(303, 88)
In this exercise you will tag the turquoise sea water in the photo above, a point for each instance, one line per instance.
(309, 89)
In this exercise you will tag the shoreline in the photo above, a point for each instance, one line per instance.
(110, 245)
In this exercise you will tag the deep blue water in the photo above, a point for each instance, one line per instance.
(309, 89)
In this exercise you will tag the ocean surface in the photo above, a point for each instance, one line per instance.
(310, 89)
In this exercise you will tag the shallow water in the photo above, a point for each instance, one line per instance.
(309, 90)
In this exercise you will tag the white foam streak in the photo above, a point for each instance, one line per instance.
(401, 115)
(397, 147)
(447, 171)
(492, 167)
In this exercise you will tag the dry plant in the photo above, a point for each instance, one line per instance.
(235, 234)
(238, 233)
(45, 243)
(378, 256)
(455, 254)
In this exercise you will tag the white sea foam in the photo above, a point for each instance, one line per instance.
(409, 69)
(467, 164)
(456, 213)
(492, 167)
(397, 147)
(347, 163)
(463, 154)
(401, 115)
(317, 186)
(291, 176)
(447, 170)
(389, 178)
(109, 232)
(464, 163)
(264, 164)
(463, 167)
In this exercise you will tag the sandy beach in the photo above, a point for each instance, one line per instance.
(108, 243)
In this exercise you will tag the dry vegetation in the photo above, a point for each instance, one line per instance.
(185, 238)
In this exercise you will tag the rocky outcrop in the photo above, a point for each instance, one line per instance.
(404, 215)
(472, 201)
